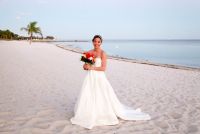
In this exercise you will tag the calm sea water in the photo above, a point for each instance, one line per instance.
(177, 52)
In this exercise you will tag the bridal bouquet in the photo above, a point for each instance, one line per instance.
(88, 58)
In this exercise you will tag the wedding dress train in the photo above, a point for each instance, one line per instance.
(98, 105)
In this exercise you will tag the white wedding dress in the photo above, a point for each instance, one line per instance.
(98, 105)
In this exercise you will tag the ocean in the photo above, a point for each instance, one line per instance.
(175, 52)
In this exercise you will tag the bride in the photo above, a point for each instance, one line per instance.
(97, 103)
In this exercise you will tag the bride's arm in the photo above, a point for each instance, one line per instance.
(103, 65)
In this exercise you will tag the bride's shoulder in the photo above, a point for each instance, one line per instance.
(103, 53)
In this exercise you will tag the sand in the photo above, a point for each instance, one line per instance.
(39, 84)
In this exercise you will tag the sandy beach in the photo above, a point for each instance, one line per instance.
(39, 84)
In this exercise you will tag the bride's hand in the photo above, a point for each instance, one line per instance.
(85, 67)
(88, 67)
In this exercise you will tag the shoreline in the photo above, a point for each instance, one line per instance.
(77, 50)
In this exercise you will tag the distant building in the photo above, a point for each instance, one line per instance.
(49, 38)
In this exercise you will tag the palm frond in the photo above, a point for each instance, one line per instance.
(32, 28)
(24, 28)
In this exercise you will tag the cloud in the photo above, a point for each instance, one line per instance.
(21, 15)
(18, 17)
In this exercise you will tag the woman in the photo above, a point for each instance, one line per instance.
(97, 102)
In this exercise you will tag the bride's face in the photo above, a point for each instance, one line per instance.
(97, 43)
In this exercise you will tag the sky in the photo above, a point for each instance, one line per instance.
(112, 19)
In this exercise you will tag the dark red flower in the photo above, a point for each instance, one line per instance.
(88, 55)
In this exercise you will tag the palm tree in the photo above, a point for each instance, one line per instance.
(31, 28)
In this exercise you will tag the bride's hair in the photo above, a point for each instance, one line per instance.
(97, 36)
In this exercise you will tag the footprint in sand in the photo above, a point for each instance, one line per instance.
(175, 115)
(5, 114)
(34, 121)
(35, 131)
(162, 124)
(2, 123)
(192, 129)
(43, 125)
(58, 124)
(8, 126)
(47, 112)
(21, 120)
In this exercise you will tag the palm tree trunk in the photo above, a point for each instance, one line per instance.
(31, 38)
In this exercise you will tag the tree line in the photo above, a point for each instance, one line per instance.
(30, 29)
